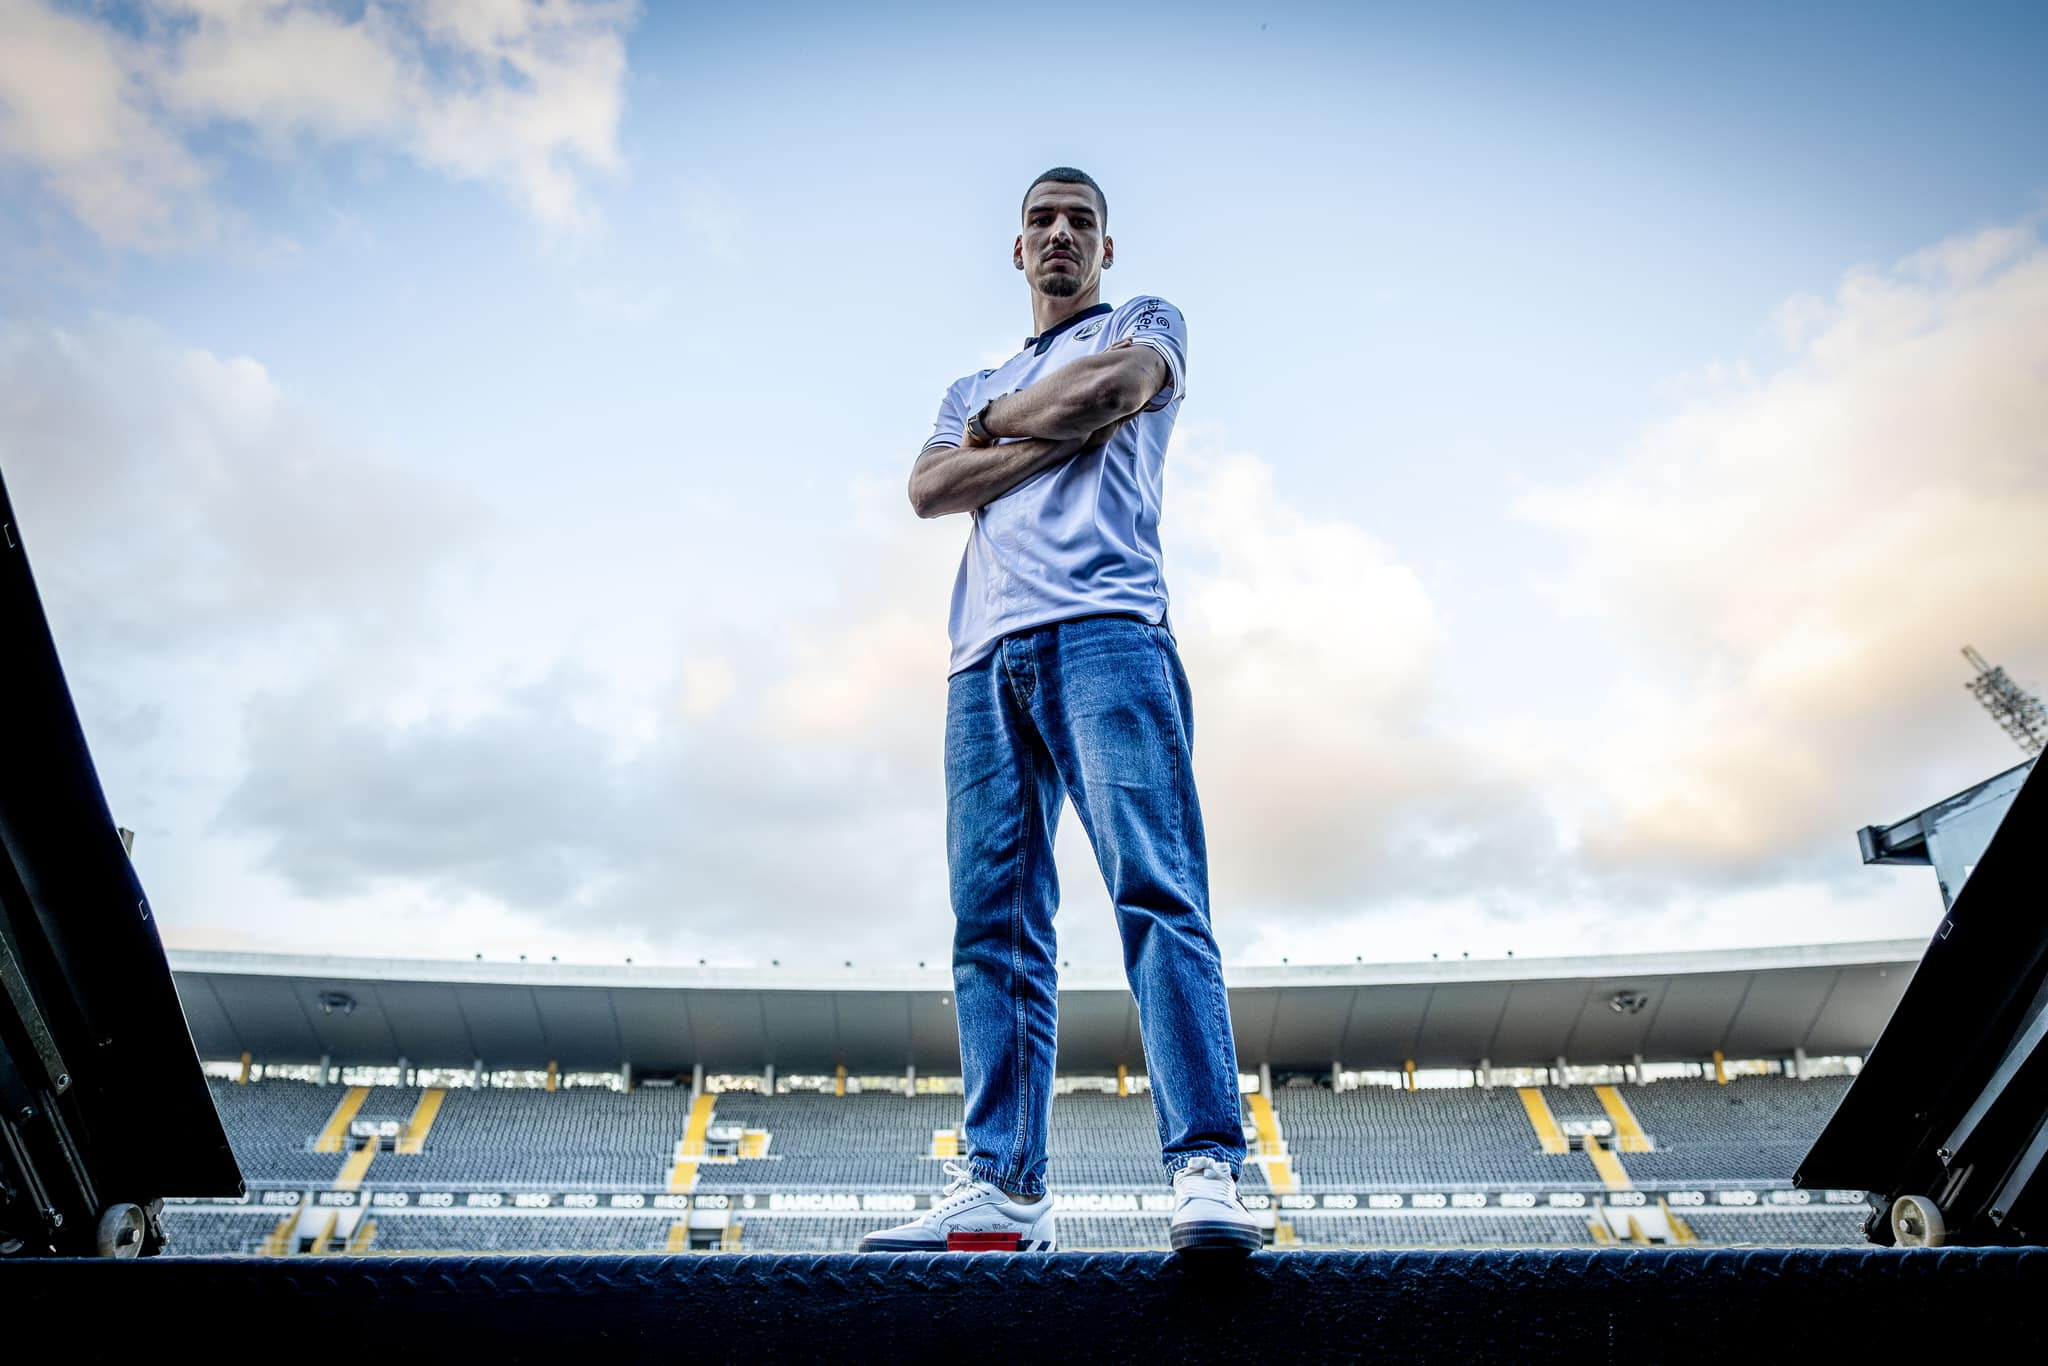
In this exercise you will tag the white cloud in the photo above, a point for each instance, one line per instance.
(1311, 651)
(75, 107)
(202, 537)
(172, 495)
(790, 801)
(1800, 555)
(523, 96)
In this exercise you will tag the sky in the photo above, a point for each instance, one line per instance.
(462, 449)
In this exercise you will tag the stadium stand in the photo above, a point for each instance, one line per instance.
(1443, 1230)
(1442, 1139)
(810, 1233)
(207, 1232)
(826, 1142)
(823, 1142)
(1750, 1133)
(1119, 1232)
(1752, 1129)
(518, 1233)
(1104, 1142)
(210, 1233)
(578, 1137)
(1112, 1232)
(272, 1127)
(1781, 1228)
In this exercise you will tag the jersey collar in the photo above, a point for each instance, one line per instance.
(1043, 342)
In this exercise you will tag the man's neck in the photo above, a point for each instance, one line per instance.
(1048, 312)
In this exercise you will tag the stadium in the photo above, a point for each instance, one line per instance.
(399, 1107)
(383, 1106)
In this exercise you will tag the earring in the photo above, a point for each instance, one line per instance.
(1107, 264)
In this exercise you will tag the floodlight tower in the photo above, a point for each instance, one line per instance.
(2012, 706)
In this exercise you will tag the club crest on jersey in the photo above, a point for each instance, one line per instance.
(1090, 330)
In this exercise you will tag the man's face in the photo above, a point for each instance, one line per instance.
(1062, 247)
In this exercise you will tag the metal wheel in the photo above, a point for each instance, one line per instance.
(1917, 1222)
(120, 1232)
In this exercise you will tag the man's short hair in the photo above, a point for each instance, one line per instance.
(1067, 175)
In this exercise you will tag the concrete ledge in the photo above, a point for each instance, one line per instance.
(1620, 1306)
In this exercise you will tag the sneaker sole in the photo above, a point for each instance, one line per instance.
(1233, 1239)
(906, 1245)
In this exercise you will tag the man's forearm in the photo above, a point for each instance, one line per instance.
(1076, 399)
(960, 478)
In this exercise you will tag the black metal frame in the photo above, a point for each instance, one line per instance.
(1952, 1104)
(103, 1108)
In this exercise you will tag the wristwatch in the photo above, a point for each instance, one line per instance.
(976, 427)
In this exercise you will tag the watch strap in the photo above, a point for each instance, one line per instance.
(978, 428)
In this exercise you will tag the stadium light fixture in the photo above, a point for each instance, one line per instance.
(1628, 1002)
(337, 1002)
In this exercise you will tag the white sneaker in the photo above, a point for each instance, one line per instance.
(971, 1216)
(1207, 1215)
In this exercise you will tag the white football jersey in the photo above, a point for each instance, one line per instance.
(1083, 536)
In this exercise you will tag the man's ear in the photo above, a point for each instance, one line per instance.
(1108, 249)
(1017, 252)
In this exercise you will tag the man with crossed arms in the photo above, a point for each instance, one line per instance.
(1065, 682)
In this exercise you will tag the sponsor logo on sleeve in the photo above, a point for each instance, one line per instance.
(1152, 317)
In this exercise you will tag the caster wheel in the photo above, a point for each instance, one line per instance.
(120, 1232)
(1917, 1222)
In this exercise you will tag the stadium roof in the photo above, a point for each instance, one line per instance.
(1828, 999)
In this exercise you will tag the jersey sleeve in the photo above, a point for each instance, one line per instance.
(1153, 322)
(950, 427)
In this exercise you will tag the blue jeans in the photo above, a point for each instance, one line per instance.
(1095, 708)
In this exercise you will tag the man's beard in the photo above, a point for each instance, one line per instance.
(1060, 286)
